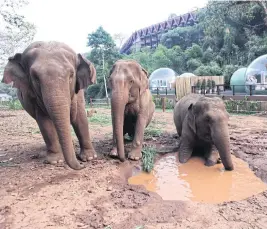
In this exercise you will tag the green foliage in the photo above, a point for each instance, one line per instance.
(209, 83)
(203, 84)
(148, 155)
(198, 84)
(242, 106)
(229, 35)
(15, 105)
(100, 119)
(103, 49)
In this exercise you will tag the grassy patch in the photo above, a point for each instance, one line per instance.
(154, 129)
(14, 105)
(100, 119)
(148, 155)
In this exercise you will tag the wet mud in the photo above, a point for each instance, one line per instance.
(193, 181)
(37, 195)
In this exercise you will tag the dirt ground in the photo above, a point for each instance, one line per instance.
(36, 195)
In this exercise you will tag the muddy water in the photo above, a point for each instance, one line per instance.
(196, 182)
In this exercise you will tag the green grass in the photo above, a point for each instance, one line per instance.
(101, 119)
(14, 105)
(148, 155)
(154, 129)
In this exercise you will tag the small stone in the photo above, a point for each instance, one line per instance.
(109, 188)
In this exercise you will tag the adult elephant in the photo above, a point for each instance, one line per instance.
(132, 106)
(50, 78)
(202, 122)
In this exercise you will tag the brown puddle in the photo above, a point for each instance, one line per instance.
(196, 182)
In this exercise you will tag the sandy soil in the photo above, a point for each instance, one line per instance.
(36, 195)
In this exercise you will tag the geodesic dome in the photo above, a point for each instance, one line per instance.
(238, 79)
(162, 77)
(256, 74)
(187, 74)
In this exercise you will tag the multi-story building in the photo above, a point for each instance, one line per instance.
(150, 36)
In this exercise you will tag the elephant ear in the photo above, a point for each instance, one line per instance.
(14, 72)
(143, 81)
(85, 75)
(191, 118)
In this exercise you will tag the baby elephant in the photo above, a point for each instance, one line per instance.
(202, 122)
(132, 107)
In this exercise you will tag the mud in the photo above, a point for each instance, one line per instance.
(37, 195)
(196, 182)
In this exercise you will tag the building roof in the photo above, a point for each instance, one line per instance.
(178, 21)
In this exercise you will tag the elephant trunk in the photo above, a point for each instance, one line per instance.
(221, 139)
(58, 107)
(117, 107)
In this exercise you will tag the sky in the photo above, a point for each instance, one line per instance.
(71, 21)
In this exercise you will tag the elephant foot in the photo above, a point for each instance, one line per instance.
(113, 152)
(210, 162)
(135, 154)
(54, 158)
(87, 155)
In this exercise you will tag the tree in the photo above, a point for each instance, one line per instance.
(103, 46)
(15, 32)
(119, 38)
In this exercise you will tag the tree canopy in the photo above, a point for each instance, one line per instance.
(103, 48)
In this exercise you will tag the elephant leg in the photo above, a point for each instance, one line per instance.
(211, 156)
(46, 126)
(49, 133)
(27, 103)
(136, 152)
(126, 127)
(81, 128)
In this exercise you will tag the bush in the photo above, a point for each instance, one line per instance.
(15, 105)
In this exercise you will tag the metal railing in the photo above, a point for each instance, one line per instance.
(245, 89)
(162, 91)
(105, 102)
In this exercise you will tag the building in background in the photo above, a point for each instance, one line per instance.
(150, 36)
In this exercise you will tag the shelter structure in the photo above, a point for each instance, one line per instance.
(162, 78)
(238, 80)
(256, 75)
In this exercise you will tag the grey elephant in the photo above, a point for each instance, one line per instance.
(132, 107)
(202, 123)
(50, 78)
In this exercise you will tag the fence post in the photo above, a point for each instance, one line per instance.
(163, 102)
(218, 89)
(166, 91)
(91, 103)
(233, 89)
(250, 90)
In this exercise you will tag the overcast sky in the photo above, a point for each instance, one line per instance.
(71, 21)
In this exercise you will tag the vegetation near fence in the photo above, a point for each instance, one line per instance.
(244, 106)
